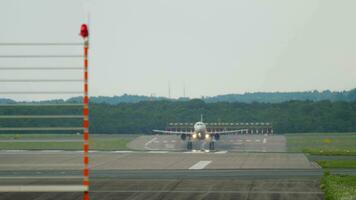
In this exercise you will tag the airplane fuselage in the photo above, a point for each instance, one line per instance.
(200, 132)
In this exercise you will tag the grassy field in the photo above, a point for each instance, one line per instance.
(63, 142)
(322, 143)
(350, 164)
(37, 136)
(339, 187)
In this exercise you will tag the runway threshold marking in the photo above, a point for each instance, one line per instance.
(149, 142)
(200, 164)
(264, 140)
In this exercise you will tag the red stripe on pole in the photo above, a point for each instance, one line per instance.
(85, 62)
(86, 112)
(86, 160)
(86, 136)
(86, 123)
(86, 88)
(86, 100)
(86, 183)
(85, 51)
(86, 195)
(86, 149)
(86, 172)
(86, 76)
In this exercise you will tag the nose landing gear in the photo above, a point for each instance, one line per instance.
(211, 146)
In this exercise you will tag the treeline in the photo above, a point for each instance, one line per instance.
(278, 97)
(142, 117)
(262, 97)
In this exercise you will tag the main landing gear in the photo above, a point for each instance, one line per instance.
(190, 145)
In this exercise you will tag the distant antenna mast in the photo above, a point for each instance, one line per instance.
(201, 117)
(184, 90)
(169, 89)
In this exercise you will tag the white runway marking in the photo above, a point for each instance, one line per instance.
(173, 141)
(264, 140)
(194, 152)
(158, 152)
(200, 165)
(51, 151)
(258, 140)
(164, 141)
(221, 152)
(122, 151)
(14, 151)
(248, 140)
(149, 142)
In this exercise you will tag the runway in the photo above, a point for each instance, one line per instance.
(224, 189)
(160, 160)
(239, 143)
(159, 167)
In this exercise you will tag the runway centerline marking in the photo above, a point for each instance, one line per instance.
(200, 164)
(221, 152)
(264, 140)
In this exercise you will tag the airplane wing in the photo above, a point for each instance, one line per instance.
(172, 132)
(229, 132)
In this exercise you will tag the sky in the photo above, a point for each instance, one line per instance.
(205, 47)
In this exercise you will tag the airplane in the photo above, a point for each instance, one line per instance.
(200, 133)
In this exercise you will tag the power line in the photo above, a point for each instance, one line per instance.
(41, 68)
(41, 116)
(39, 104)
(42, 80)
(41, 56)
(41, 129)
(40, 44)
(44, 92)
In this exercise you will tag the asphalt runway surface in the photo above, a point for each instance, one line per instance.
(162, 160)
(242, 143)
(242, 167)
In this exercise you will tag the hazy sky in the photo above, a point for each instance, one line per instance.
(210, 46)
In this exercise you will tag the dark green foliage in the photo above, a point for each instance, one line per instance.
(142, 117)
(263, 97)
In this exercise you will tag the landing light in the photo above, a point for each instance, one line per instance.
(207, 136)
(194, 136)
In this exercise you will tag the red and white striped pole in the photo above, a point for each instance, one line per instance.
(84, 32)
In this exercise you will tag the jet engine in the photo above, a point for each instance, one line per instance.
(183, 136)
(216, 136)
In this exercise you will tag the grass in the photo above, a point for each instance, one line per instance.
(40, 142)
(350, 164)
(339, 187)
(37, 136)
(322, 143)
(330, 151)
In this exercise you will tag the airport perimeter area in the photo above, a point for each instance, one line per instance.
(159, 167)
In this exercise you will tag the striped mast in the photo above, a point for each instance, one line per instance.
(85, 33)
